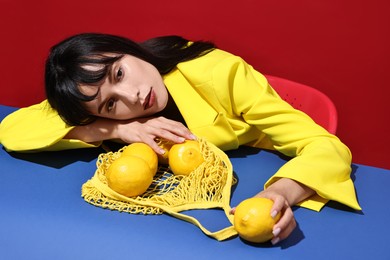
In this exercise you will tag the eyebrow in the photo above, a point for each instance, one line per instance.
(111, 72)
(110, 75)
(101, 106)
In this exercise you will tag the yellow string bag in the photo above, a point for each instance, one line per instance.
(208, 186)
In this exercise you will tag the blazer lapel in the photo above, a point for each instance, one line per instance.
(195, 109)
(201, 118)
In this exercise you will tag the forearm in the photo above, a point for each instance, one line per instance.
(100, 130)
(144, 130)
(294, 192)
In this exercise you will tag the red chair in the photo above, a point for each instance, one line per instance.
(307, 99)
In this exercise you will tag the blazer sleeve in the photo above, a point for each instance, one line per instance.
(37, 128)
(319, 159)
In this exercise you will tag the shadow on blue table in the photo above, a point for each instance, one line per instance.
(59, 159)
(295, 237)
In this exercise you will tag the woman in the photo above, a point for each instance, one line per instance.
(102, 87)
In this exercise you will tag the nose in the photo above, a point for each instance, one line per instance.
(127, 94)
(133, 96)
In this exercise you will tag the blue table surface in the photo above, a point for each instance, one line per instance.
(43, 216)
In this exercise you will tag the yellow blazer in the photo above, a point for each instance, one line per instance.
(227, 102)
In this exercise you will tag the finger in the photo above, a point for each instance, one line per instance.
(288, 230)
(182, 132)
(285, 220)
(284, 226)
(279, 204)
(157, 149)
(176, 128)
(169, 136)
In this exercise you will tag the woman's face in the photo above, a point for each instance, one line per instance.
(133, 88)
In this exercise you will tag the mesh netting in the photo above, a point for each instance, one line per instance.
(206, 187)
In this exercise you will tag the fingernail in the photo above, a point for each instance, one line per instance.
(181, 139)
(231, 212)
(192, 137)
(274, 213)
(275, 240)
(276, 232)
(161, 151)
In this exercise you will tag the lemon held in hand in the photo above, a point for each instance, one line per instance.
(129, 175)
(185, 157)
(144, 152)
(253, 221)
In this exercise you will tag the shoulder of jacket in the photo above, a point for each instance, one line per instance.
(212, 58)
(201, 69)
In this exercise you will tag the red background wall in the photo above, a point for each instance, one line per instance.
(340, 47)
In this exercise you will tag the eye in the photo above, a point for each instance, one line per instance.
(110, 105)
(119, 74)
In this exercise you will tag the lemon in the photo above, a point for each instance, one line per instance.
(129, 175)
(144, 152)
(253, 221)
(185, 157)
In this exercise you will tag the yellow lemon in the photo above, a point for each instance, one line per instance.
(185, 157)
(129, 175)
(144, 152)
(253, 221)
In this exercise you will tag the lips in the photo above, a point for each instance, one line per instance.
(149, 99)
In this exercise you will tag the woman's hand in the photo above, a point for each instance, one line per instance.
(286, 224)
(284, 193)
(146, 130)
